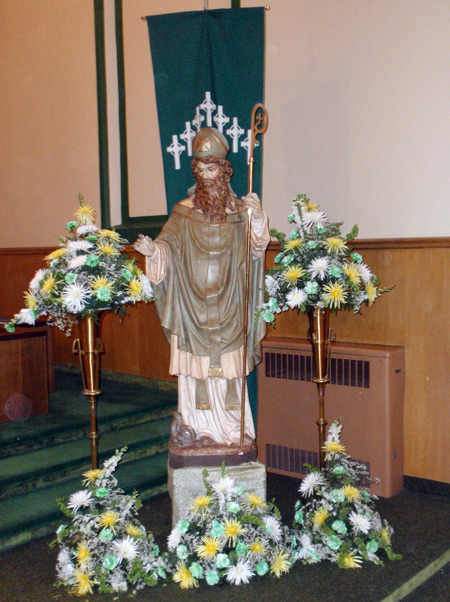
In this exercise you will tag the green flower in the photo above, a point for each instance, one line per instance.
(182, 552)
(321, 230)
(291, 218)
(183, 525)
(356, 257)
(279, 257)
(92, 260)
(273, 304)
(314, 556)
(196, 570)
(233, 507)
(156, 549)
(339, 470)
(54, 263)
(333, 542)
(212, 577)
(240, 490)
(70, 226)
(127, 274)
(216, 529)
(311, 288)
(287, 260)
(372, 546)
(335, 271)
(262, 568)
(337, 496)
(312, 244)
(268, 316)
(298, 516)
(293, 235)
(241, 548)
(339, 526)
(91, 238)
(105, 535)
(101, 492)
(222, 561)
(10, 327)
(103, 293)
(70, 278)
(110, 562)
(161, 572)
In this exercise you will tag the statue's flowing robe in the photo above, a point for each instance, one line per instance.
(198, 272)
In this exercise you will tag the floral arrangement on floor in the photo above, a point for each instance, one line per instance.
(229, 536)
(104, 545)
(335, 519)
(88, 273)
(316, 267)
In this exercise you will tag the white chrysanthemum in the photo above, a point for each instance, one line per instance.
(305, 547)
(77, 262)
(314, 218)
(241, 573)
(334, 432)
(273, 527)
(272, 285)
(364, 272)
(25, 317)
(34, 284)
(65, 568)
(174, 539)
(78, 245)
(126, 549)
(319, 267)
(146, 285)
(87, 229)
(79, 499)
(360, 522)
(224, 487)
(312, 480)
(296, 297)
(74, 297)
(118, 582)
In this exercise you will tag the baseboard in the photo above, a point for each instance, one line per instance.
(426, 486)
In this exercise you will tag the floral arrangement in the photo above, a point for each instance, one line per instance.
(316, 267)
(104, 545)
(228, 536)
(88, 273)
(335, 519)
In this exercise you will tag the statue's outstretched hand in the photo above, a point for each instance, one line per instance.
(145, 245)
(252, 202)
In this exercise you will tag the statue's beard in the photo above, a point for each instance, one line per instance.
(212, 198)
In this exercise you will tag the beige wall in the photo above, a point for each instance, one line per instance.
(48, 119)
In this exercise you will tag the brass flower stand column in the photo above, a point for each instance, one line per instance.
(89, 347)
(320, 336)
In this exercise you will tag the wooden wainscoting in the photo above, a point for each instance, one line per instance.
(413, 315)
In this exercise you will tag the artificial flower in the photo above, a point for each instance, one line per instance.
(310, 482)
(184, 577)
(239, 573)
(80, 499)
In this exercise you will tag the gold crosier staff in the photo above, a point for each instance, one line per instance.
(259, 124)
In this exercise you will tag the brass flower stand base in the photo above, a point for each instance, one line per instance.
(89, 347)
(320, 336)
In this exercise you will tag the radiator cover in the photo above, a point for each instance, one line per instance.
(365, 393)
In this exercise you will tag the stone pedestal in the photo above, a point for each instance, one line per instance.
(185, 484)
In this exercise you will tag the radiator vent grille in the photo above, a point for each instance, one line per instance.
(290, 366)
(293, 460)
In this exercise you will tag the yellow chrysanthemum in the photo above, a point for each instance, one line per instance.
(135, 289)
(255, 501)
(320, 516)
(232, 530)
(335, 294)
(352, 494)
(280, 564)
(258, 547)
(311, 206)
(83, 554)
(84, 583)
(107, 248)
(352, 560)
(30, 300)
(384, 534)
(91, 476)
(335, 245)
(48, 286)
(56, 254)
(133, 530)
(85, 214)
(184, 578)
(101, 282)
(295, 243)
(209, 548)
(351, 271)
(200, 504)
(109, 519)
(371, 292)
(292, 274)
(333, 447)
(111, 234)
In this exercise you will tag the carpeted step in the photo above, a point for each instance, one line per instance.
(36, 514)
(43, 467)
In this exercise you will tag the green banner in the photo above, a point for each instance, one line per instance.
(209, 71)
